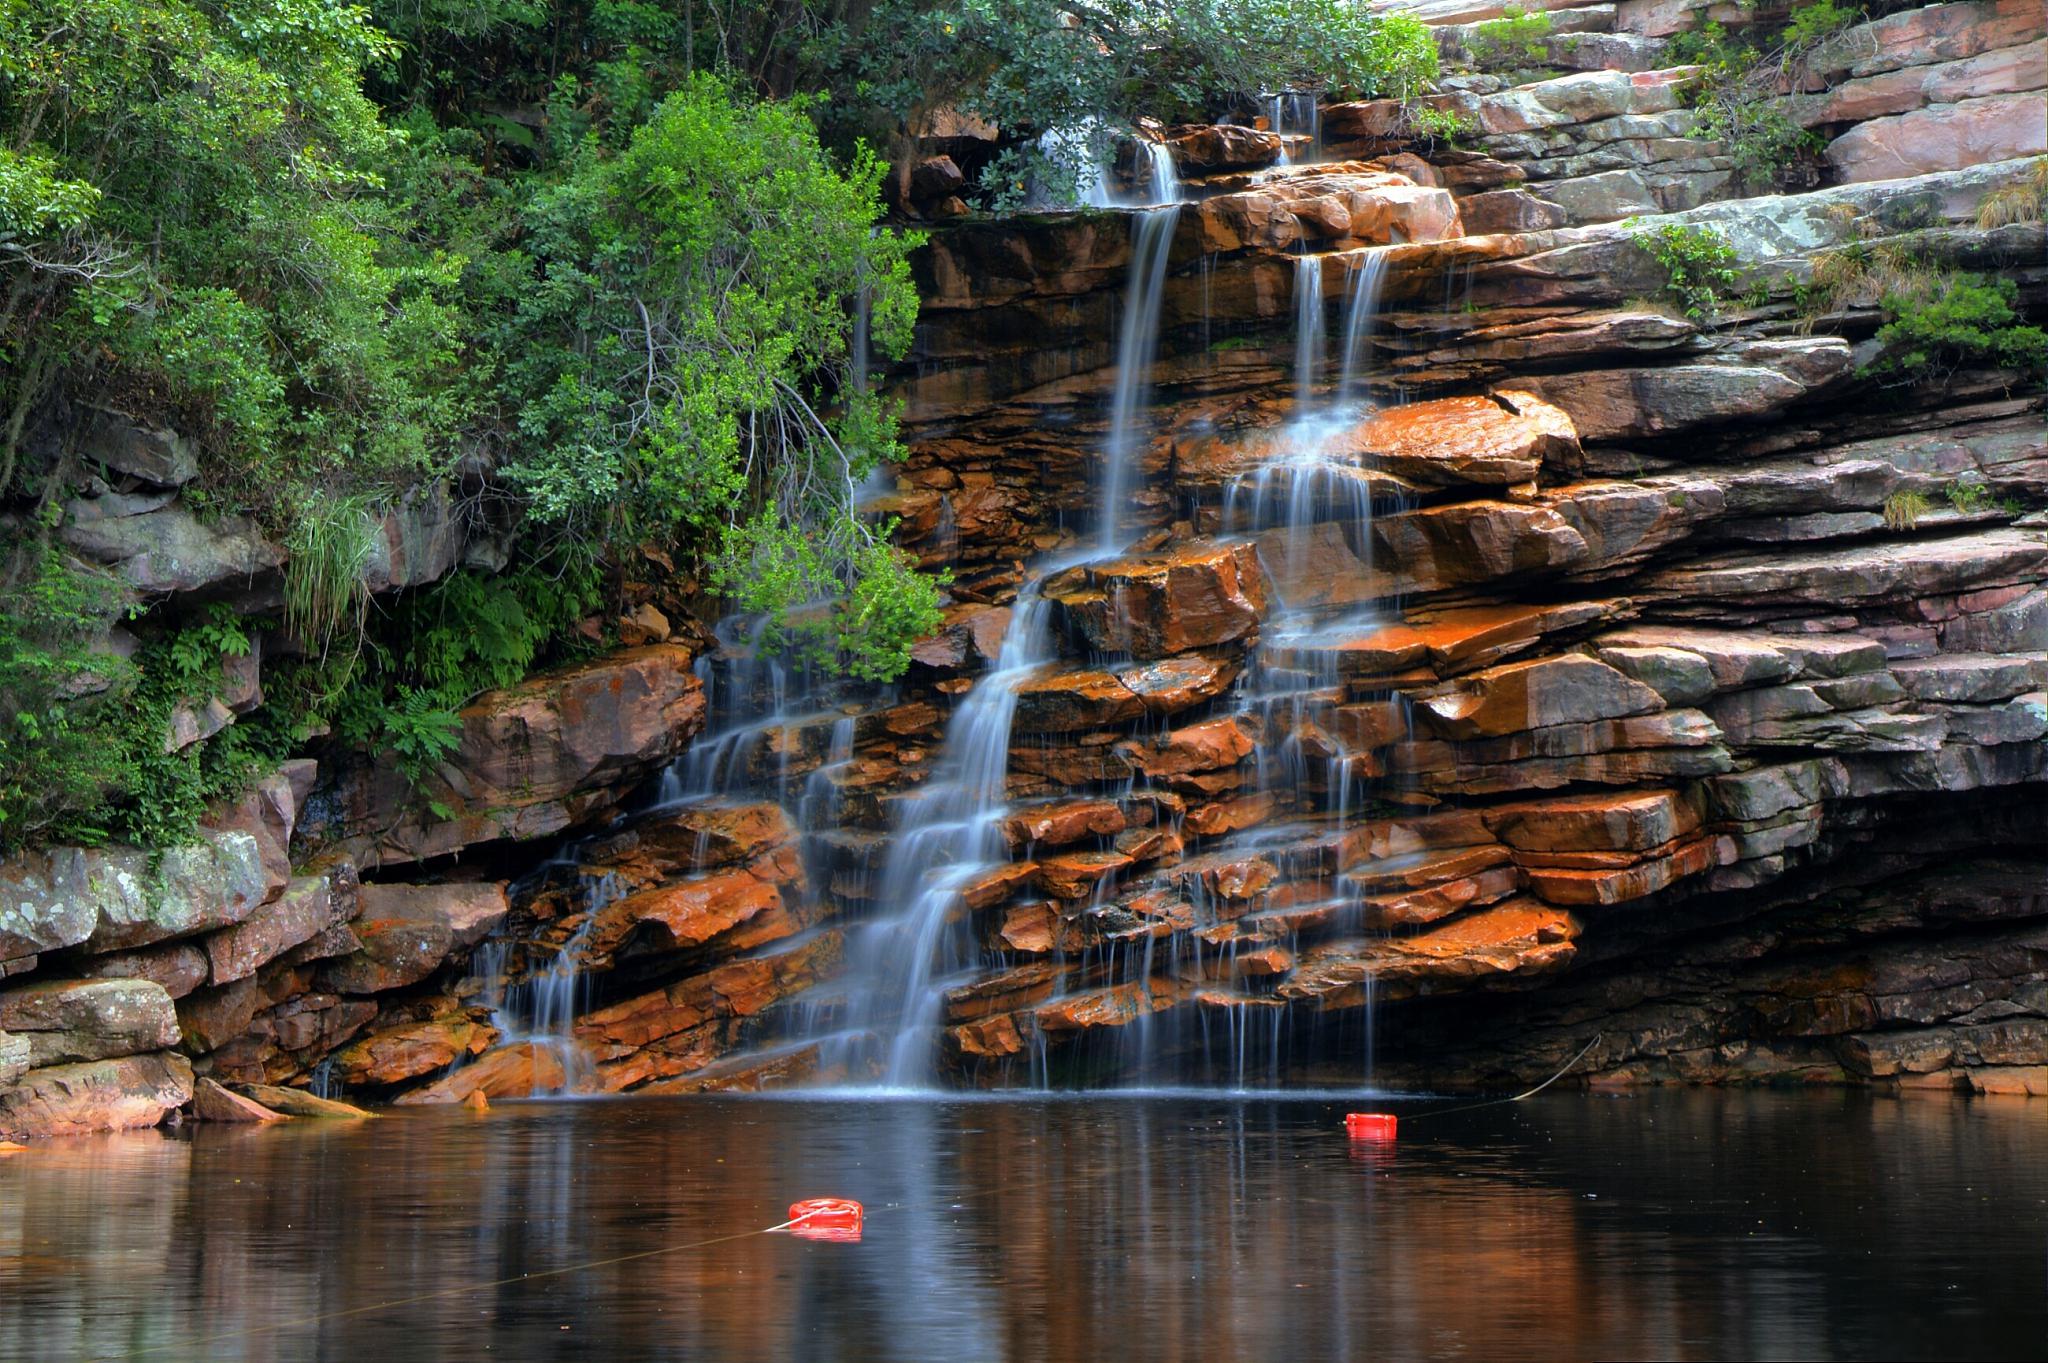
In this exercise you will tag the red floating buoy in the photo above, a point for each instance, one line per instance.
(1371, 1126)
(826, 1218)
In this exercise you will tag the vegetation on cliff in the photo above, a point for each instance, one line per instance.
(594, 265)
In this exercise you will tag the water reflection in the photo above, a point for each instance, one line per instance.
(1672, 1225)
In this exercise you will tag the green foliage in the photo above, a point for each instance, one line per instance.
(678, 357)
(1431, 124)
(59, 695)
(1737, 101)
(1699, 266)
(442, 646)
(192, 200)
(1967, 498)
(1811, 24)
(420, 733)
(1093, 70)
(84, 750)
(1946, 319)
(329, 544)
(1516, 38)
(1760, 136)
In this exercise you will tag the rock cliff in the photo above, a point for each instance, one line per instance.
(1482, 655)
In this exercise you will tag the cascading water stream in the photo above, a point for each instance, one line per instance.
(1293, 685)
(952, 835)
(1361, 313)
(1308, 329)
(1137, 344)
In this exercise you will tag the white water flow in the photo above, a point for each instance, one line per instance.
(1295, 501)
(1137, 345)
(1086, 149)
(1308, 330)
(541, 1010)
(1361, 315)
(951, 835)
(899, 967)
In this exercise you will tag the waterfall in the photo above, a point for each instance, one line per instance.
(1138, 343)
(1162, 177)
(541, 1010)
(1361, 312)
(1276, 121)
(1308, 329)
(951, 834)
(1080, 146)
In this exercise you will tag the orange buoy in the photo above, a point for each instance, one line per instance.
(12, 1148)
(826, 1218)
(1371, 1126)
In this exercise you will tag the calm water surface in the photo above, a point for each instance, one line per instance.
(1678, 1225)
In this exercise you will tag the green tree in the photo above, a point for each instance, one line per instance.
(684, 364)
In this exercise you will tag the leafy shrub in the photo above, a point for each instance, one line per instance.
(1966, 498)
(1091, 72)
(1946, 319)
(686, 346)
(1737, 101)
(1516, 38)
(1436, 125)
(1699, 265)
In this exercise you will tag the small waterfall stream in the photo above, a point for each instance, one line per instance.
(899, 967)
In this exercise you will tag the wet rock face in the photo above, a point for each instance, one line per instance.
(1600, 636)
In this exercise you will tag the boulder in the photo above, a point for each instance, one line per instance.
(1610, 822)
(1497, 441)
(2005, 70)
(1057, 823)
(161, 547)
(125, 446)
(1515, 697)
(1196, 596)
(1509, 210)
(532, 760)
(113, 898)
(95, 1095)
(1072, 701)
(520, 1070)
(693, 912)
(1215, 148)
(308, 906)
(1928, 34)
(413, 1049)
(1942, 137)
(299, 1103)
(406, 932)
(180, 967)
(68, 1020)
(212, 1103)
(1618, 404)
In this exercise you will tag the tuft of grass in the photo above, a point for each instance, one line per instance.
(1903, 509)
(328, 545)
(2015, 203)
